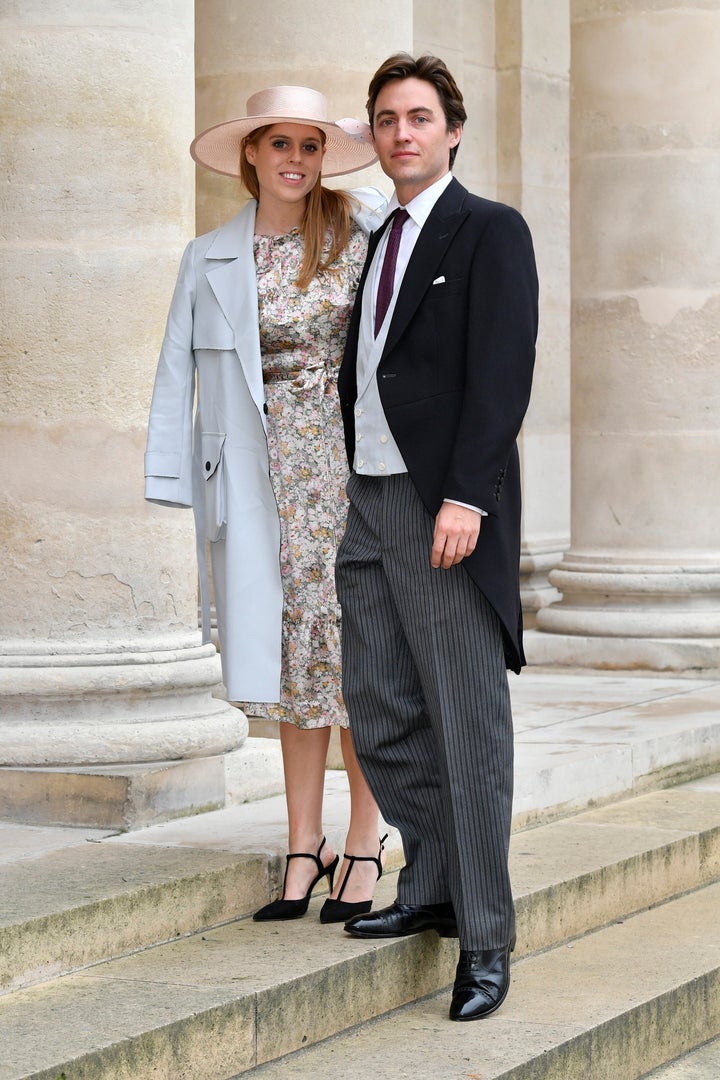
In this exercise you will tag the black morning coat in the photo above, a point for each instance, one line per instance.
(455, 377)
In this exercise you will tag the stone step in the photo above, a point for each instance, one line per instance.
(84, 904)
(72, 897)
(211, 1005)
(610, 1005)
(700, 1064)
(100, 897)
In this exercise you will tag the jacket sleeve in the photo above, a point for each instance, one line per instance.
(500, 355)
(168, 457)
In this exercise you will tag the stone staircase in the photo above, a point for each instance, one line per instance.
(131, 955)
(122, 959)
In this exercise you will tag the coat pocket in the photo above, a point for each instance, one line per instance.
(213, 466)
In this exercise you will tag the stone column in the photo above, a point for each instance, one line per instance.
(533, 132)
(101, 664)
(641, 581)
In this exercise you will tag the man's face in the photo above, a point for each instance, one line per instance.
(411, 135)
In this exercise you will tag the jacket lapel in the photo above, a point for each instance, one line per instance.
(348, 368)
(232, 279)
(373, 242)
(435, 237)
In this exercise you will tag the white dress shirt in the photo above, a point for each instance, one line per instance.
(376, 452)
(419, 210)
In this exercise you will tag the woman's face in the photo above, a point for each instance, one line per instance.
(287, 159)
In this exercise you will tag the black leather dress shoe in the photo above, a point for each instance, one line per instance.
(399, 920)
(482, 981)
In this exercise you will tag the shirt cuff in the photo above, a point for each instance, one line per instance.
(456, 502)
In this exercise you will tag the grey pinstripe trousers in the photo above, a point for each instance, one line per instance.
(426, 691)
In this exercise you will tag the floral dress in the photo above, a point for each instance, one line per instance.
(302, 336)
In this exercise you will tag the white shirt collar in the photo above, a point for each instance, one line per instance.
(419, 208)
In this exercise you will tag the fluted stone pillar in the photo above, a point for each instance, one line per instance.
(641, 581)
(101, 664)
(533, 132)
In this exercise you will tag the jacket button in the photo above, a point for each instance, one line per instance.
(208, 466)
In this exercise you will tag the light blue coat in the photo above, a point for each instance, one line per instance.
(207, 445)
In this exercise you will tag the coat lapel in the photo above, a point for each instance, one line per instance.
(234, 284)
(435, 237)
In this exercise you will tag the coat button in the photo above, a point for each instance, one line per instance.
(265, 408)
(208, 466)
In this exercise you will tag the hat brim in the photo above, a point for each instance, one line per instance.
(219, 147)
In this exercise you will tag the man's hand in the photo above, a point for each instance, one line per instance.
(456, 531)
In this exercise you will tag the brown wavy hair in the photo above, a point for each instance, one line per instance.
(326, 211)
(431, 69)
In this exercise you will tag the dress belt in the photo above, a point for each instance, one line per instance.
(287, 375)
(302, 379)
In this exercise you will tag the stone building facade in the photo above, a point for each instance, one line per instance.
(598, 119)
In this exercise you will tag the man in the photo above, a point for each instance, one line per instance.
(433, 394)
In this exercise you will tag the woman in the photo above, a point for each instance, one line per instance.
(258, 318)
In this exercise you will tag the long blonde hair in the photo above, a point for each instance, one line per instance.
(326, 210)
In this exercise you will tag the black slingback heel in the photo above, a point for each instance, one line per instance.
(293, 909)
(340, 910)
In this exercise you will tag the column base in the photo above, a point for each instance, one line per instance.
(692, 655)
(255, 771)
(644, 614)
(126, 797)
(154, 703)
(536, 592)
(115, 797)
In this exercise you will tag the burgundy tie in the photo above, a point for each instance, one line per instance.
(387, 274)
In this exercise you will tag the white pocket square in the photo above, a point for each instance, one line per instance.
(439, 280)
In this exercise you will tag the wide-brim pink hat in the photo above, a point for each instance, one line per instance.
(348, 145)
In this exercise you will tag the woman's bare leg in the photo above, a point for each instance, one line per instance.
(362, 835)
(304, 753)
